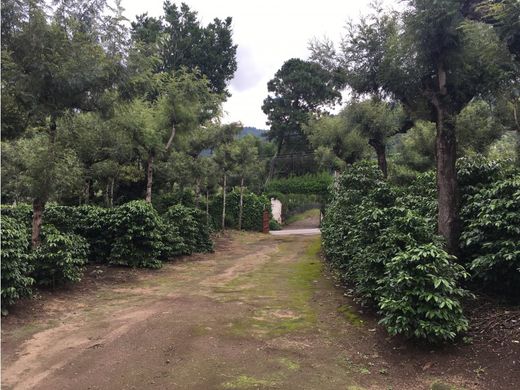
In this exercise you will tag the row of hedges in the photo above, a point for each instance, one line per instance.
(381, 239)
(133, 234)
(252, 214)
(307, 184)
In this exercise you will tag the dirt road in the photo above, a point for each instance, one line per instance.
(260, 312)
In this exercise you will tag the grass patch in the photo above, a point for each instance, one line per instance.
(248, 382)
(350, 315)
(26, 331)
(312, 213)
(352, 367)
(287, 279)
(289, 364)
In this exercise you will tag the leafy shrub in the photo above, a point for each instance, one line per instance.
(490, 239)
(162, 202)
(90, 222)
(306, 184)
(253, 210)
(172, 242)
(22, 213)
(474, 173)
(274, 225)
(16, 261)
(60, 258)
(420, 196)
(192, 228)
(136, 231)
(420, 294)
(370, 231)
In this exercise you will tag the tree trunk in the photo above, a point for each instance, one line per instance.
(241, 207)
(87, 191)
(224, 204)
(272, 162)
(447, 189)
(39, 202)
(52, 129)
(380, 149)
(207, 207)
(149, 178)
(197, 193)
(111, 199)
(446, 155)
(38, 208)
(517, 122)
(170, 140)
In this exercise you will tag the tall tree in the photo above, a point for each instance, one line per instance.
(224, 157)
(299, 91)
(336, 143)
(459, 60)
(434, 62)
(376, 120)
(245, 156)
(179, 40)
(56, 63)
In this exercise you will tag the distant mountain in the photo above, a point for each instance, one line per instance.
(254, 131)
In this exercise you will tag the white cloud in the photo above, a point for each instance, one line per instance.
(268, 32)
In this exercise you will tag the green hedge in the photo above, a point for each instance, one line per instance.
(381, 246)
(253, 210)
(166, 236)
(132, 234)
(22, 213)
(307, 184)
(490, 239)
(91, 222)
(17, 264)
(60, 258)
(137, 239)
(420, 294)
(192, 228)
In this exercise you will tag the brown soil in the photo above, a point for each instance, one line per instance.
(260, 312)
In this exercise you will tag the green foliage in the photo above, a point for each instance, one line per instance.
(22, 213)
(376, 240)
(16, 261)
(306, 184)
(477, 128)
(91, 222)
(416, 149)
(420, 294)
(191, 226)
(136, 231)
(162, 202)
(297, 203)
(374, 119)
(254, 206)
(60, 258)
(335, 142)
(420, 196)
(490, 239)
(179, 40)
(274, 225)
(299, 90)
(33, 167)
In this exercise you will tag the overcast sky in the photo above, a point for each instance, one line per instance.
(267, 32)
